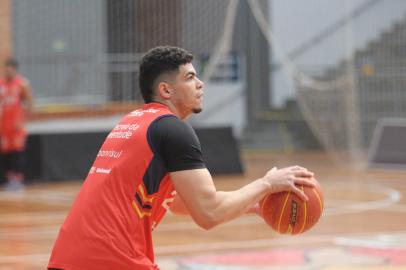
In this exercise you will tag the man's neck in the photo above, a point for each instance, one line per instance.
(172, 108)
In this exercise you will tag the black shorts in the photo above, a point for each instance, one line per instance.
(13, 161)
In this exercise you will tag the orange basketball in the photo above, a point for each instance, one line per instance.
(287, 214)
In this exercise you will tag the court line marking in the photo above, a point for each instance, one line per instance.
(169, 250)
(164, 227)
(393, 196)
(243, 220)
(261, 243)
(59, 198)
(41, 233)
(66, 198)
(380, 241)
(31, 217)
(51, 231)
(25, 258)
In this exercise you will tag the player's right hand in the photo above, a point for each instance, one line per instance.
(287, 179)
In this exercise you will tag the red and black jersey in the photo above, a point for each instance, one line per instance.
(126, 193)
(12, 115)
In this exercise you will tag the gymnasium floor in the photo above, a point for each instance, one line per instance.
(363, 225)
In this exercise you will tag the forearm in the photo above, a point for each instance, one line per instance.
(209, 207)
(255, 209)
(232, 204)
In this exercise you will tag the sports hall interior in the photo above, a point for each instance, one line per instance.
(320, 84)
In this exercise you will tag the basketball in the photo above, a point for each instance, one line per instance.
(286, 213)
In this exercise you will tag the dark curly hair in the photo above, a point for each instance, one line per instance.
(158, 61)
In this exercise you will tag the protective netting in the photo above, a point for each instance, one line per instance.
(349, 73)
(86, 53)
(344, 61)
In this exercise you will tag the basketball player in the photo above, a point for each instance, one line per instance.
(149, 163)
(15, 102)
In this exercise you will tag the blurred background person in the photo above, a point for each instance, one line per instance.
(15, 103)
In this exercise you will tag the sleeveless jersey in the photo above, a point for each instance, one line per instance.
(12, 126)
(125, 195)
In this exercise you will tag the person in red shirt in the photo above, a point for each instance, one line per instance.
(15, 102)
(151, 162)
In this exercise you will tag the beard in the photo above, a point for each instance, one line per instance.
(197, 110)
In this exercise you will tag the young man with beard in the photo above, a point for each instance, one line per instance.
(150, 162)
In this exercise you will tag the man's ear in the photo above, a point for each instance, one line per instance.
(164, 90)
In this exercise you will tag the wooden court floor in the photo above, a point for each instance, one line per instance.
(363, 225)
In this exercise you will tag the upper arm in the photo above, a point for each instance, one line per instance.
(179, 148)
(197, 191)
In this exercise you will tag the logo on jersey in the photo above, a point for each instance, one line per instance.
(142, 203)
(141, 112)
(166, 204)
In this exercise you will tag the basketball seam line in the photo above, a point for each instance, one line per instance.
(283, 211)
(305, 214)
(319, 199)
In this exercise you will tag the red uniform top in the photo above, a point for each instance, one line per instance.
(124, 196)
(12, 114)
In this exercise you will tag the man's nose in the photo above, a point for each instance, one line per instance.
(200, 84)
